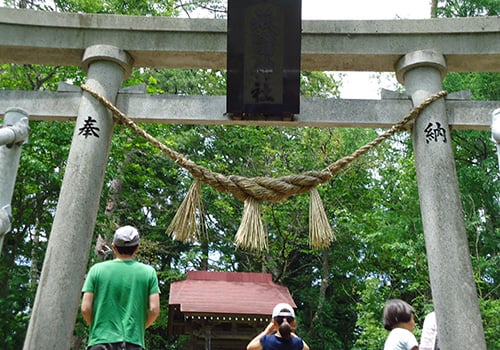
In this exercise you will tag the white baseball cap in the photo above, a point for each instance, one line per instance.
(283, 309)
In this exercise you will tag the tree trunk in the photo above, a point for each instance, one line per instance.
(114, 192)
(34, 270)
(325, 282)
(434, 4)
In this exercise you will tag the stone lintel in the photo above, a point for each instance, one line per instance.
(209, 110)
(37, 37)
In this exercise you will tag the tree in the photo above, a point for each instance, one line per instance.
(478, 176)
(372, 205)
(404, 273)
(466, 8)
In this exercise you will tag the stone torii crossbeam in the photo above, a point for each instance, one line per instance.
(108, 47)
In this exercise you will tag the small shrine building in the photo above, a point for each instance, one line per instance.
(223, 310)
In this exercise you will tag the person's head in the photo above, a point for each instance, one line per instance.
(126, 240)
(397, 313)
(284, 316)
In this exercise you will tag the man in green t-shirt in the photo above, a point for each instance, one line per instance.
(120, 297)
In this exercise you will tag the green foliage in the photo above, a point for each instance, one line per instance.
(15, 299)
(214, 8)
(369, 325)
(180, 82)
(480, 192)
(490, 311)
(318, 84)
(468, 8)
(40, 170)
(36, 77)
(477, 169)
(483, 86)
(373, 205)
(119, 7)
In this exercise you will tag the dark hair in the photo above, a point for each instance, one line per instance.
(126, 250)
(396, 311)
(284, 325)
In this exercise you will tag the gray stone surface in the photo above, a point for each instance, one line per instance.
(318, 112)
(450, 269)
(13, 134)
(56, 303)
(459, 44)
(468, 44)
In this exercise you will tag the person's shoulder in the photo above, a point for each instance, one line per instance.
(297, 343)
(147, 266)
(268, 337)
(264, 339)
(99, 268)
(401, 333)
(144, 266)
(101, 264)
(405, 335)
(430, 317)
(399, 330)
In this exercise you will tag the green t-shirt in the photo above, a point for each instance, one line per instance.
(121, 296)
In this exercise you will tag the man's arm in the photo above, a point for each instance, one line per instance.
(429, 332)
(153, 309)
(87, 302)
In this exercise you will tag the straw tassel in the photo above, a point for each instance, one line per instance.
(185, 227)
(320, 234)
(320, 231)
(251, 234)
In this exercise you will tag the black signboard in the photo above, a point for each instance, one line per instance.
(263, 59)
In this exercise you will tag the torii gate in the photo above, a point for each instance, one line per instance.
(107, 47)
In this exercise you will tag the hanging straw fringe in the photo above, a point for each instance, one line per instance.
(185, 227)
(320, 231)
(263, 188)
(251, 234)
(258, 189)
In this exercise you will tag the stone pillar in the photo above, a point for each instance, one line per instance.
(58, 295)
(495, 131)
(13, 134)
(450, 268)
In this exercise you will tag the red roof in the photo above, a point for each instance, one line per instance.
(235, 293)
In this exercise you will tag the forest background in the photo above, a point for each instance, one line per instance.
(373, 206)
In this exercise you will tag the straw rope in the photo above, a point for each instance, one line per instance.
(264, 188)
(186, 225)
